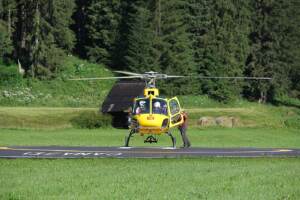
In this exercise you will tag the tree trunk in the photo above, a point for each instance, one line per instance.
(263, 97)
(9, 23)
(35, 52)
(158, 17)
(23, 28)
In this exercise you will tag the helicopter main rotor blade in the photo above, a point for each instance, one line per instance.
(161, 76)
(231, 77)
(128, 73)
(174, 76)
(214, 77)
(104, 78)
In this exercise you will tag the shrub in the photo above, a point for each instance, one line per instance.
(288, 101)
(9, 76)
(92, 120)
(293, 122)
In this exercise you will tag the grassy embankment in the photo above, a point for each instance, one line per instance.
(57, 92)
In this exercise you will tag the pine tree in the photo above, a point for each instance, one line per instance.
(21, 35)
(219, 33)
(43, 36)
(174, 44)
(61, 20)
(79, 28)
(5, 41)
(271, 50)
(103, 18)
(141, 54)
(7, 22)
(293, 16)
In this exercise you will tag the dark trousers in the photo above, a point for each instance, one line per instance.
(185, 139)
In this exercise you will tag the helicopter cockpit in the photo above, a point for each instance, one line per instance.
(159, 106)
(150, 106)
(141, 106)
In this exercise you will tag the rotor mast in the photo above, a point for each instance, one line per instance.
(150, 78)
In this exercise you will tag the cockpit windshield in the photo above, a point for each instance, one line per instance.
(159, 106)
(142, 106)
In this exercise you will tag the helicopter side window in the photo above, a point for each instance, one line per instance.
(159, 106)
(141, 106)
(174, 107)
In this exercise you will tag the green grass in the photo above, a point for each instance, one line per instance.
(39, 117)
(203, 178)
(252, 116)
(212, 137)
(52, 126)
(150, 179)
(203, 101)
(261, 116)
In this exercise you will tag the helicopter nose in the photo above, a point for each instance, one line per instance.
(150, 117)
(151, 120)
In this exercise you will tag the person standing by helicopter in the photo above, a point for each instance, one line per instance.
(183, 128)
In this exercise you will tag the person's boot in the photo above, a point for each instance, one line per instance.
(183, 146)
(186, 145)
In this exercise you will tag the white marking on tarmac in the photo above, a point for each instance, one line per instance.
(33, 153)
(285, 150)
(168, 148)
(66, 154)
(125, 147)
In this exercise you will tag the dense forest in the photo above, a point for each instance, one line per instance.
(180, 37)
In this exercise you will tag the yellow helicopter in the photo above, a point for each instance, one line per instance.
(151, 114)
(154, 115)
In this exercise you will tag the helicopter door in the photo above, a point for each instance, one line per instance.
(175, 116)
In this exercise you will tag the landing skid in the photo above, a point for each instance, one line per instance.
(173, 139)
(127, 138)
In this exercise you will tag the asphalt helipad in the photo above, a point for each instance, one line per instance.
(140, 152)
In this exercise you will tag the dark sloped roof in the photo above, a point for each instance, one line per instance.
(121, 96)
